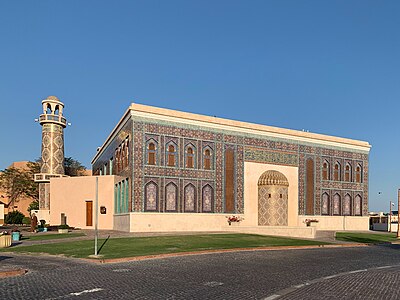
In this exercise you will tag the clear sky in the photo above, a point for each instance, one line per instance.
(329, 67)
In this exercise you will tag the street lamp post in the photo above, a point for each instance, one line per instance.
(398, 212)
(390, 216)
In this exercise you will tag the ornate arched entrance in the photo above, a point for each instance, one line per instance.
(273, 199)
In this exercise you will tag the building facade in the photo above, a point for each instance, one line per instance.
(183, 171)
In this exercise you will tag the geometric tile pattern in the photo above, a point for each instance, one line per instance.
(246, 148)
(272, 205)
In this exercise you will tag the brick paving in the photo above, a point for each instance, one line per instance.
(362, 284)
(235, 275)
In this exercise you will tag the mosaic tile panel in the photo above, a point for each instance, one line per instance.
(318, 166)
(239, 183)
(218, 178)
(277, 158)
(207, 198)
(273, 205)
(247, 148)
(171, 197)
(138, 170)
(301, 184)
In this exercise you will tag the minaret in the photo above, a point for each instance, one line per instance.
(53, 124)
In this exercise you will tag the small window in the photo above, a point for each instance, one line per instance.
(207, 159)
(336, 172)
(325, 171)
(347, 173)
(171, 155)
(151, 154)
(358, 173)
(189, 157)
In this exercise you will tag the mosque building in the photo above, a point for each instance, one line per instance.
(166, 170)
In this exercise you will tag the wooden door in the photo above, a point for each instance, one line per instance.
(89, 213)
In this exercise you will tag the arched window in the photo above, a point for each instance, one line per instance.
(358, 205)
(336, 204)
(127, 153)
(190, 156)
(49, 111)
(207, 198)
(56, 110)
(325, 170)
(336, 172)
(325, 204)
(359, 173)
(171, 155)
(171, 197)
(151, 153)
(347, 173)
(347, 205)
(117, 165)
(122, 157)
(151, 196)
(207, 159)
(190, 198)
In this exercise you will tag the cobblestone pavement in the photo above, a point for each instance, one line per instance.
(234, 275)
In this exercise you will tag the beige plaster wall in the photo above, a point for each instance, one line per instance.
(42, 214)
(69, 196)
(156, 222)
(122, 222)
(252, 172)
(159, 222)
(350, 223)
(297, 232)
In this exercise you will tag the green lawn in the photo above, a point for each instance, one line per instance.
(130, 247)
(44, 236)
(368, 238)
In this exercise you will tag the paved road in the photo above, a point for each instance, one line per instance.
(290, 274)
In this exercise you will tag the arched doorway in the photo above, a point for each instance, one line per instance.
(273, 199)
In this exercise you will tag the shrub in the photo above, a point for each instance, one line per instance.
(26, 221)
(63, 227)
(14, 217)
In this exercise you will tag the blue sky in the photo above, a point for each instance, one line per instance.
(330, 67)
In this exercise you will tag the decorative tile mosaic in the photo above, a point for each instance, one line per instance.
(270, 157)
(249, 147)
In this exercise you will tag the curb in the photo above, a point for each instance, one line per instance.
(178, 254)
(11, 273)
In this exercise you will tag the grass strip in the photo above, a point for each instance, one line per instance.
(42, 237)
(367, 238)
(141, 246)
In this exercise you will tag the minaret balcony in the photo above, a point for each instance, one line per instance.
(51, 118)
(45, 177)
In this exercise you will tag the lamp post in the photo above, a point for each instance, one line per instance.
(398, 210)
(96, 233)
(390, 216)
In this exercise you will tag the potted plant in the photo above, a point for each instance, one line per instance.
(310, 222)
(232, 219)
(63, 228)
